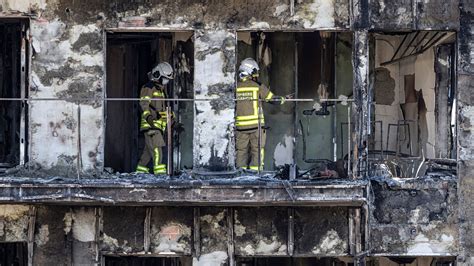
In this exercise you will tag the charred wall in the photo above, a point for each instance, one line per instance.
(465, 130)
(67, 63)
(414, 217)
(74, 235)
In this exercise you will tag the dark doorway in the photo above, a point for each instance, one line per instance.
(130, 56)
(147, 261)
(13, 254)
(13, 54)
(288, 261)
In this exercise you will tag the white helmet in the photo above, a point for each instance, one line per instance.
(161, 70)
(248, 67)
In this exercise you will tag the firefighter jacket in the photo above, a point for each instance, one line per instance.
(157, 109)
(248, 108)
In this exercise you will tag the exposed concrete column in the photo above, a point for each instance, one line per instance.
(68, 65)
(84, 242)
(214, 77)
(360, 108)
(465, 133)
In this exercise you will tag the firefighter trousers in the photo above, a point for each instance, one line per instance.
(248, 149)
(154, 143)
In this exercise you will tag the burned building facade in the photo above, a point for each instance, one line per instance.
(368, 162)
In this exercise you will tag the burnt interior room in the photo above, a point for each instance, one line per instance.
(288, 261)
(14, 253)
(304, 65)
(414, 100)
(130, 57)
(12, 82)
(147, 261)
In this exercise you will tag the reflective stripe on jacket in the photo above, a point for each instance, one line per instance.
(248, 109)
(151, 107)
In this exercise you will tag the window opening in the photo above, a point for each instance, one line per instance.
(414, 100)
(13, 78)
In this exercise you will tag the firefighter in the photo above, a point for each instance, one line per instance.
(249, 114)
(153, 119)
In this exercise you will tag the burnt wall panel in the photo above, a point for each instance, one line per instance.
(321, 231)
(123, 229)
(307, 14)
(84, 249)
(14, 223)
(437, 14)
(214, 236)
(465, 131)
(214, 82)
(67, 67)
(391, 15)
(257, 232)
(415, 217)
(171, 230)
(53, 236)
(214, 229)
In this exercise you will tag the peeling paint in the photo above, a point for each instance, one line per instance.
(214, 50)
(218, 258)
(331, 243)
(83, 226)
(169, 238)
(42, 237)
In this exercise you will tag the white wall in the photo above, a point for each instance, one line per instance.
(425, 78)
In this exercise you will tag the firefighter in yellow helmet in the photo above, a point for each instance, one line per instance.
(249, 114)
(153, 119)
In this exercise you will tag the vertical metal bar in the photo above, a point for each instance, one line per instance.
(381, 138)
(291, 230)
(169, 165)
(351, 231)
(98, 230)
(79, 148)
(334, 128)
(349, 172)
(197, 232)
(342, 141)
(358, 238)
(23, 88)
(28, 134)
(398, 138)
(293, 174)
(147, 230)
(31, 233)
(292, 7)
(230, 236)
(259, 132)
(366, 225)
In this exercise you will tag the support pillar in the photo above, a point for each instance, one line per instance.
(362, 101)
(214, 79)
(465, 132)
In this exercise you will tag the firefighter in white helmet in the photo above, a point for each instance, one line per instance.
(249, 115)
(153, 119)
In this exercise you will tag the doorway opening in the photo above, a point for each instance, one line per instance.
(147, 261)
(308, 67)
(130, 57)
(14, 254)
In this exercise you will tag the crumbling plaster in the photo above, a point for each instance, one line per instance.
(417, 217)
(66, 65)
(423, 69)
(68, 62)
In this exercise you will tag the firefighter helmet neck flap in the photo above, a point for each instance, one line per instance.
(161, 73)
(248, 69)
